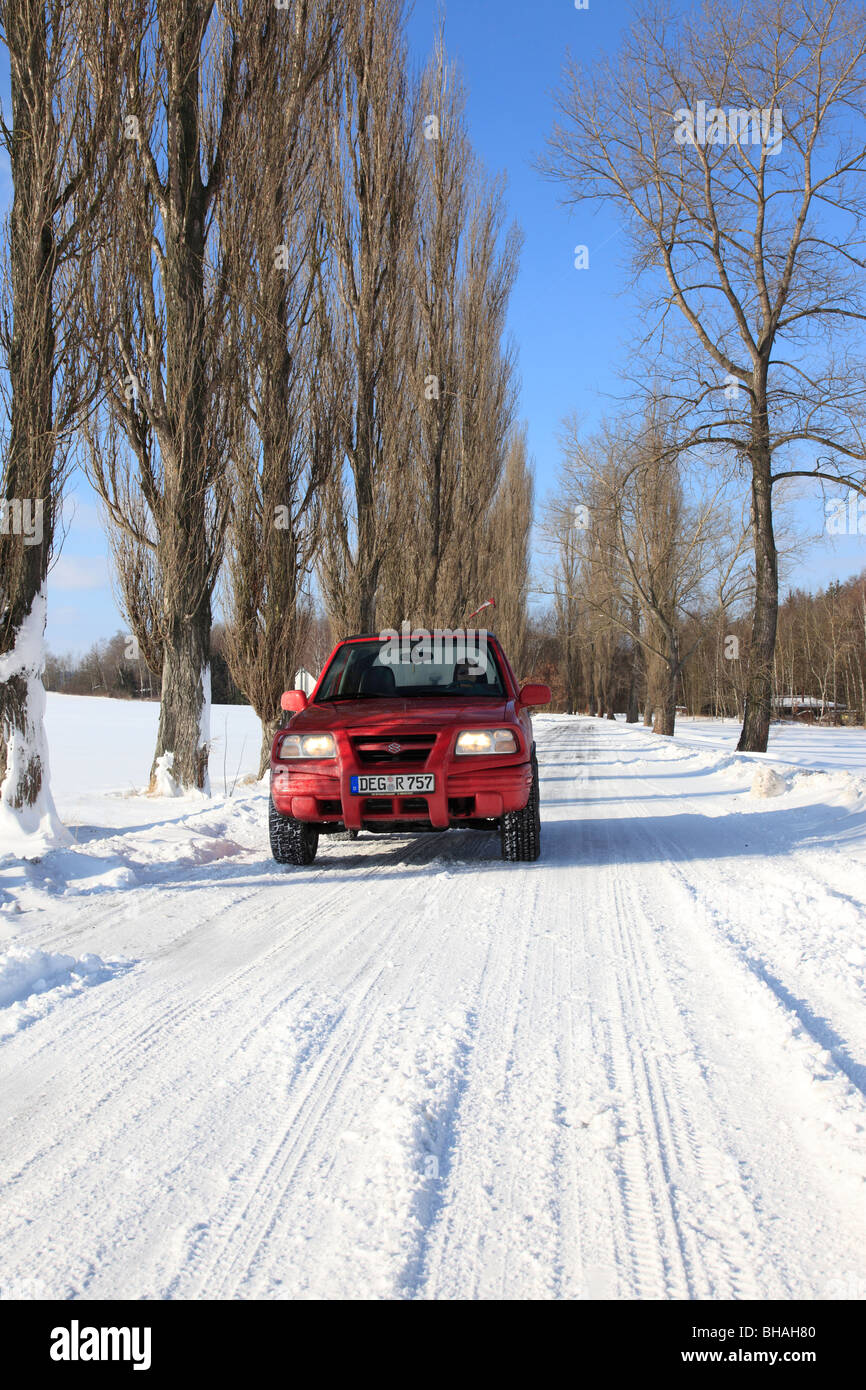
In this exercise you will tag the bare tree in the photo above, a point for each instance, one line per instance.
(457, 428)
(650, 548)
(720, 138)
(447, 169)
(61, 145)
(637, 672)
(487, 388)
(563, 525)
(159, 305)
(568, 618)
(508, 576)
(271, 229)
(368, 208)
(603, 593)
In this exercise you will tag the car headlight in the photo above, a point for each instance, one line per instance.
(308, 746)
(486, 741)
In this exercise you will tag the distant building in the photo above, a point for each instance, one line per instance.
(808, 707)
(304, 681)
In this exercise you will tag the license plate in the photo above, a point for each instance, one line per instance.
(393, 784)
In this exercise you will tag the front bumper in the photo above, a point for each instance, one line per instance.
(467, 789)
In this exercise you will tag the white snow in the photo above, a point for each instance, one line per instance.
(29, 830)
(163, 781)
(25, 974)
(635, 1069)
(766, 782)
(100, 745)
(797, 745)
(205, 718)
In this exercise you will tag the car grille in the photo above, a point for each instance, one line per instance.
(376, 751)
(394, 808)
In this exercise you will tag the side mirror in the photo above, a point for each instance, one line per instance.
(535, 695)
(295, 700)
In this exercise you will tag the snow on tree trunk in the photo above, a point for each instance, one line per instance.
(29, 824)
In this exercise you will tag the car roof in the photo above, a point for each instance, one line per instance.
(378, 636)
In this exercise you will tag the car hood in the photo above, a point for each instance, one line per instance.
(436, 713)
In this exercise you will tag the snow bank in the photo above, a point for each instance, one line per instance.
(34, 982)
(824, 749)
(32, 972)
(768, 783)
(816, 763)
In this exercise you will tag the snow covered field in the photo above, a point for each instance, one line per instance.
(795, 745)
(635, 1069)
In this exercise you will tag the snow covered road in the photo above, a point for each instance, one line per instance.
(635, 1069)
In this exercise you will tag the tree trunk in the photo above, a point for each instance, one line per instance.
(759, 688)
(665, 710)
(664, 685)
(22, 749)
(269, 729)
(635, 672)
(184, 713)
(29, 471)
(184, 547)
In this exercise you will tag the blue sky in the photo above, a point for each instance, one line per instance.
(570, 326)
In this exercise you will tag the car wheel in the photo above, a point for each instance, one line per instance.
(345, 835)
(520, 831)
(292, 842)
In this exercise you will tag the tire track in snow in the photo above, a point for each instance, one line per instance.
(829, 1009)
(694, 952)
(325, 1108)
(653, 1133)
(157, 1044)
(603, 1082)
(159, 1030)
(674, 1117)
(320, 1109)
(627, 1133)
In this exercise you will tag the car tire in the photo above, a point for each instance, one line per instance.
(345, 835)
(292, 842)
(520, 831)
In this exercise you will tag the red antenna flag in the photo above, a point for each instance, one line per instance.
(488, 603)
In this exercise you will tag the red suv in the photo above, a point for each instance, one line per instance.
(408, 734)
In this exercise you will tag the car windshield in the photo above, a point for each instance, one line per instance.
(411, 669)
